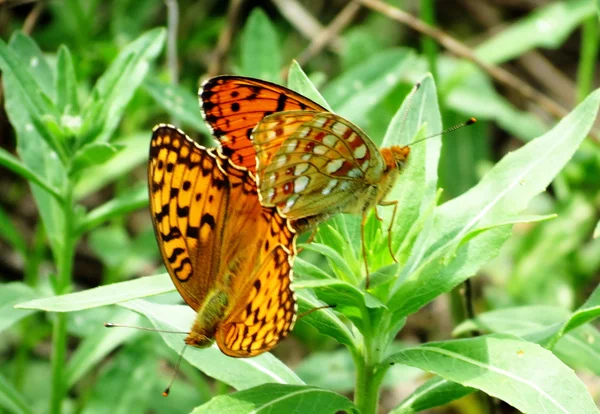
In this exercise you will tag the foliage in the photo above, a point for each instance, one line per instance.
(80, 129)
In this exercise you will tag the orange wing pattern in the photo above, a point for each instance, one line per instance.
(229, 257)
(233, 105)
(325, 165)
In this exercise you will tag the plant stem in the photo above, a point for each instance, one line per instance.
(367, 387)
(64, 264)
(588, 57)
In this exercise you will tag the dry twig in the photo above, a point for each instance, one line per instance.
(217, 60)
(459, 49)
(340, 21)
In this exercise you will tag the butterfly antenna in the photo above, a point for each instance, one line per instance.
(469, 121)
(168, 389)
(308, 312)
(141, 328)
(409, 99)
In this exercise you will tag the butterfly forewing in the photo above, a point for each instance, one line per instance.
(233, 105)
(214, 236)
(319, 167)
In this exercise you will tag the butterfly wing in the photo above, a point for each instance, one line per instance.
(264, 311)
(182, 178)
(215, 238)
(233, 105)
(324, 163)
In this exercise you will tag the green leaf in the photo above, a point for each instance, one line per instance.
(10, 233)
(307, 269)
(93, 154)
(115, 88)
(260, 56)
(134, 153)
(96, 347)
(133, 369)
(597, 230)
(103, 295)
(126, 202)
(66, 83)
(12, 163)
(38, 149)
(415, 188)
(11, 399)
(278, 398)
(439, 261)
(335, 259)
(433, 393)
(323, 320)
(35, 62)
(505, 367)
(240, 373)
(541, 324)
(179, 102)
(299, 82)
(354, 93)
(11, 294)
(587, 312)
(546, 27)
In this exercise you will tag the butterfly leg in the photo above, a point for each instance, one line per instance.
(395, 204)
(364, 247)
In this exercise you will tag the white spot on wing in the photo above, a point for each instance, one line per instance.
(300, 184)
(320, 150)
(306, 157)
(334, 165)
(330, 140)
(330, 186)
(303, 132)
(355, 172)
(271, 194)
(360, 152)
(281, 161)
(319, 122)
(301, 168)
(289, 204)
(345, 185)
(291, 145)
(339, 128)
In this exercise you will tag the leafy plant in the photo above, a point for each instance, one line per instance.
(74, 139)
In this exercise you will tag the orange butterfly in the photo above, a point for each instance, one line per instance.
(229, 257)
(310, 163)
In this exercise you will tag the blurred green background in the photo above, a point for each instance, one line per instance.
(550, 46)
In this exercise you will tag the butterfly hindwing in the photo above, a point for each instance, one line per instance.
(266, 309)
(233, 105)
(323, 162)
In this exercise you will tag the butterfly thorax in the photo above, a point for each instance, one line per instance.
(210, 315)
(395, 159)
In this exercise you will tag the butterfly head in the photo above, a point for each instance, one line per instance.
(395, 157)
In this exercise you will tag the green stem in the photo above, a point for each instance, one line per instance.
(367, 386)
(64, 264)
(588, 58)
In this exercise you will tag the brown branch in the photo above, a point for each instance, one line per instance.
(459, 49)
(304, 22)
(217, 60)
(340, 21)
(32, 18)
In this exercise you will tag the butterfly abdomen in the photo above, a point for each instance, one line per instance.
(210, 315)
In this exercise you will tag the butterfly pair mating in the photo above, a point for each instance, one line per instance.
(226, 219)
